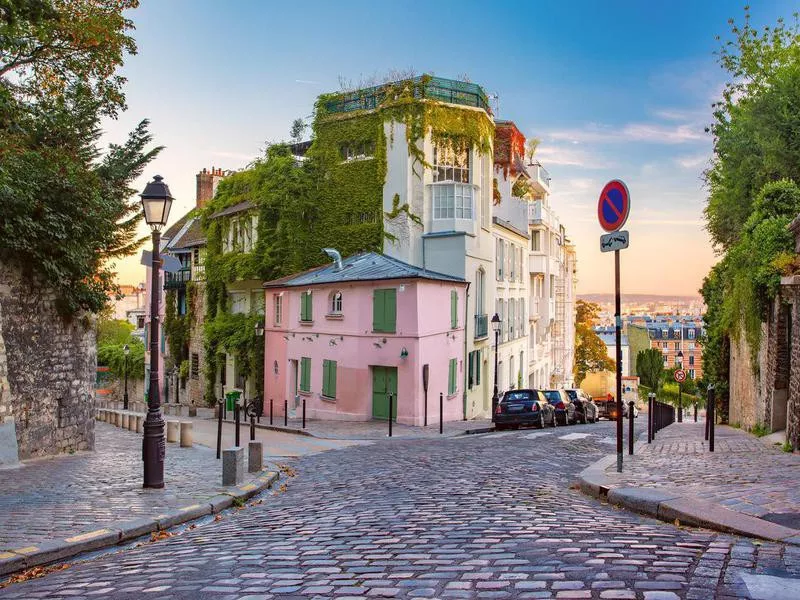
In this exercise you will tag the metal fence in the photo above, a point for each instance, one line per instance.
(659, 415)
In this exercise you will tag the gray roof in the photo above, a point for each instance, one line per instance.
(367, 266)
(236, 208)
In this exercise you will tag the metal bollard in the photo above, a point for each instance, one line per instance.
(270, 411)
(252, 428)
(630, 427)
(219, 429)
(695, 412)
(285, 413)
(237, 422)
(650, 418)
(391, 404)
(711, 421)
(304, 413)
(441, 413)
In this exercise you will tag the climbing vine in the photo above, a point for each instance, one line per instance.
(397, 209)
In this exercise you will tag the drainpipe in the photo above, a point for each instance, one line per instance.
(465, 363)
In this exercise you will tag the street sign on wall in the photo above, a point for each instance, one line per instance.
(617, 240)
(613, 206)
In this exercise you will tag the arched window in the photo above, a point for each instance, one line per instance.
(336, 303)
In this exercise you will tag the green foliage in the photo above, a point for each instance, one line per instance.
(183, 370)
(760, 430)
(669, 394)
(397, 209)
(113, 332)
(177, 328)
(590, 351)
(113, 357)
(787, 446)
(234, 334)
(650, 368)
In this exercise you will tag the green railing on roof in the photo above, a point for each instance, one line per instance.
(434, 88)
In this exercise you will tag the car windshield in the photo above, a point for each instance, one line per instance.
(553, 397)
(518, 396)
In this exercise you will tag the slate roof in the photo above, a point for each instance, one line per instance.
(232, 210)
(176, 227)
(192, 237)
(366, 266)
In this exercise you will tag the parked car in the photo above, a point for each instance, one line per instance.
(559, 400)
(582, 408)
(523, 407)
(625, 411)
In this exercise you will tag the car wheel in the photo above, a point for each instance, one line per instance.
(584, 420)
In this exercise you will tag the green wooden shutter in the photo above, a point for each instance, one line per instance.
(477, 367)
(331, 379)
(378, 310)
(305, 374)
(453, 309)
(305, 307)
(325, 367)
(451, 379)
(390, 310)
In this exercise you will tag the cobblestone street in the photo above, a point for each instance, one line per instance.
(485, 516)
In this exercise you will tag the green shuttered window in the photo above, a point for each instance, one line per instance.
(451, 379)
(453, 309)
(329, 378)
(305, 374)
(305, 307)
(384, 310)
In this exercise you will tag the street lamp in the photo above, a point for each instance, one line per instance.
(679, 358)
(126, 350)
(156, 202)
(496, 322)
(259, 328)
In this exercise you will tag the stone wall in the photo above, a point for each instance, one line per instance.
(196, 387)
(746, 406)
(47, 372)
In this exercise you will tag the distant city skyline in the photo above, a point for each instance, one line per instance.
(228, 81)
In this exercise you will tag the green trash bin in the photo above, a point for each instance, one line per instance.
(231, 398)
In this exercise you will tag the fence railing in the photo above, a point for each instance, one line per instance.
(659, 416)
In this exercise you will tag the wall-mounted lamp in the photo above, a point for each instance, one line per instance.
(259, 328)
(404, 353)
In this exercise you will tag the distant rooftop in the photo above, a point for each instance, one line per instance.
(433, 88)
(367, 266)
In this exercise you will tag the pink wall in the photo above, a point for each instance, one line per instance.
(423, 328)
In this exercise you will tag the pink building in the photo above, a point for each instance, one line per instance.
(347, 335)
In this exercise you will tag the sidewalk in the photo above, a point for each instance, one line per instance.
(57, 507)
(744, 486)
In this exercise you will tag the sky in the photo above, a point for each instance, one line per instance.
(614, 90)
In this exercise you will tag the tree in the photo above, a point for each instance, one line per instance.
(298, 128)
(650, 367)
(590, 351)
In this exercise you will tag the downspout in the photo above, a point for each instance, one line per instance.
(465, 363)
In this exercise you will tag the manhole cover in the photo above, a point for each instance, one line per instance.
(786, 519)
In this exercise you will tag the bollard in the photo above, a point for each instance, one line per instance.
(125, 419)
(391, 403)
(650, 418)
(187, 438)
(712, 410)
(132, 422)
(285, 413)
(304, 413)
(707, 419)
(139, 424)
(219, 428)
(695, 412)
(117, 418)
(441, 413)
(630, 427)
(232, 466)
(252, 428)
(255, 456)
(237, 423)
(172, 431)
(270, 411)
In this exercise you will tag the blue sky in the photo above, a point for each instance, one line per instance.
(617, 89)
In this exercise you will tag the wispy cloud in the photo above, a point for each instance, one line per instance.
(655, 133)
(307, 81)
(551, 153)
(692, 161)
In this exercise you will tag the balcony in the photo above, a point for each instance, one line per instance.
(540, 178)
(423, 87)
(178, 279)
(481, 326)
(540, 214)
(537, 263)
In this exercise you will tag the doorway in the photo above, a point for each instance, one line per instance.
(384, 382)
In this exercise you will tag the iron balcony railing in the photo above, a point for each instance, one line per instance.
(434, 88)
(481, 326)
(178, 279)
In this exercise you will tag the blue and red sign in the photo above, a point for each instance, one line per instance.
(614, 205)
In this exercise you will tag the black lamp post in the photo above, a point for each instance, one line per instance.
(156, 202)
(126, 350)
(496, 322)
(679, 358)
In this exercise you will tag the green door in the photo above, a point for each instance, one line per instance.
(384, 382)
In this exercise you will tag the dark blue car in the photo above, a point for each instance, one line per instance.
(522, 407)
(559, 401)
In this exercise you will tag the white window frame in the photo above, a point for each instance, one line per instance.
(453, 201)
(451, 164)
(336, 303)
(277, 303)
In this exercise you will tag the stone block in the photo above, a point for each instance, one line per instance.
(187, 437)
(255, 457)
(117, 418)
(132, 422)
(172, 431)
(139, 424)
(232, 465)
(125, 419)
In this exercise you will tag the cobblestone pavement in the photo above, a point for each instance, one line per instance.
(742, 473)
(378, 430)
(65, 495)
(485, 516)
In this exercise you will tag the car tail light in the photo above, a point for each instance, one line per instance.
(534, 407)
(560, 406)
(498, 410)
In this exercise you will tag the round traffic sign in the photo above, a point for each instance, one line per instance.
(680, 375)
(614, 205)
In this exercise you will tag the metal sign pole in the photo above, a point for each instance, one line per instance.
(619, 360)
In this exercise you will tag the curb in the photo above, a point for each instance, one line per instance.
(18, 559)
(671, 504)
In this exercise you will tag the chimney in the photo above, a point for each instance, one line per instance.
(207, 182)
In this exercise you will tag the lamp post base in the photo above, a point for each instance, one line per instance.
(154, 449)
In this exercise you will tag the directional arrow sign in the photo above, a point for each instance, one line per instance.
(618, 240)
